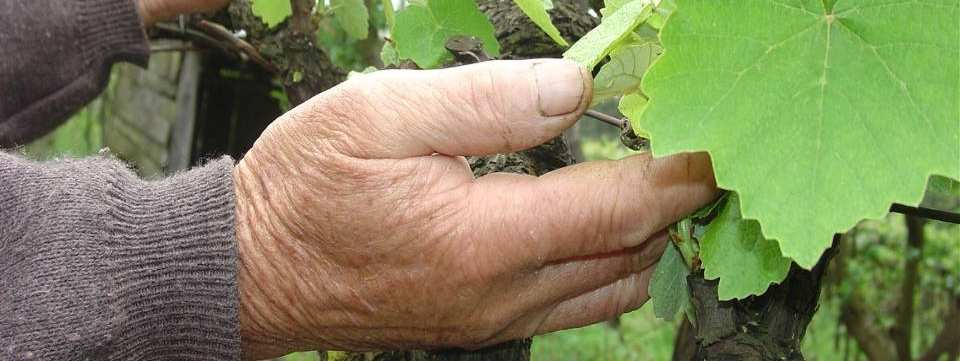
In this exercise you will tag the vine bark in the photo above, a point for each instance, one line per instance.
(768, 327)
(762, 328)
(291, 48)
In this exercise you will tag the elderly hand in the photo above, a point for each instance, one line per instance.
(360, 226)
(152, 11)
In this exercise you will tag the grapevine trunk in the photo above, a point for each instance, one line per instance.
(768, 327)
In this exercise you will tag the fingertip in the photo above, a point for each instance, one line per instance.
(530, 101)
(700, 167)
(563, 86)
(678, 169)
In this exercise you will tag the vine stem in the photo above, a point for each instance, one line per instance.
(300, 20)
(221, 32)
(606, 118)
(217, 36)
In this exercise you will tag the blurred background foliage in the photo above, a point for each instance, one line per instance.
(867, 279)
(81, 136)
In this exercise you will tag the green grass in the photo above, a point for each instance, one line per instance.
(640, 336)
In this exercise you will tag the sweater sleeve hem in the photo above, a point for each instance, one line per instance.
(175, 262)
(98, 264)
(111, 30)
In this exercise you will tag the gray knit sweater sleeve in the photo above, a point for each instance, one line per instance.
(96, 264)
(55, 56)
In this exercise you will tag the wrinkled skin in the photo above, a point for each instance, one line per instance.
(360, 225)
(153, 11)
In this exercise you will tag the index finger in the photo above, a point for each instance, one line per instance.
(591, 208)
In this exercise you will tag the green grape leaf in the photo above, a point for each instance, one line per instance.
(600, 41)
(944, 186)
(734, 250)
(942, 193)
(388, 55)
(709, 209)
(661, 13)
(272, 12)
(611, 6)
(356, 74)
(536, 10)
(668, 286)
(632, 106)
(421, 32)
(622, 74)
(353, 17)
(817, 117)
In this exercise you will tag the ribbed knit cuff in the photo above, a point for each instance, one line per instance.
(98, 264)
(173, 249)
(111, 31)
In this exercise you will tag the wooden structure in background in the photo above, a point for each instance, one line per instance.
(187, 106)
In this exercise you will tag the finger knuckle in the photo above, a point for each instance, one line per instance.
(368, 102)
(618, 209)
(487, 98)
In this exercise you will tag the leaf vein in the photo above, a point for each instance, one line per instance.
(754, 64)
(788, 6)
(899, 3)
(904, 87)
